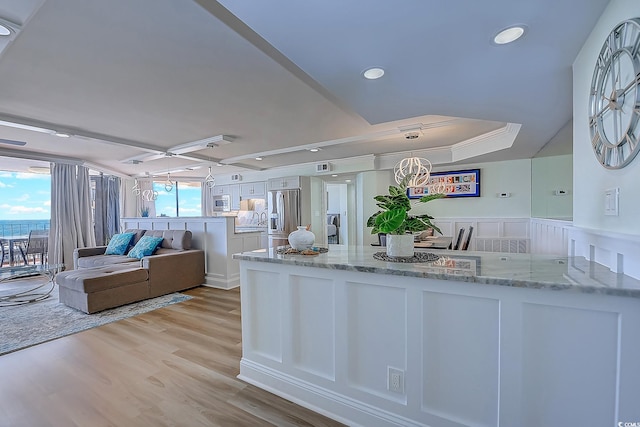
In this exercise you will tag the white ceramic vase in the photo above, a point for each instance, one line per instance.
(400, 245)
(301, 239)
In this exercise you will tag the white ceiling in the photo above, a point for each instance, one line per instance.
(131, 78)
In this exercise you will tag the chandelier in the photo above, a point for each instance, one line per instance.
(148, 195)
(419, 169)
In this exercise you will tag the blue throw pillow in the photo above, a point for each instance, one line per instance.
(119, 244)
(146, 246)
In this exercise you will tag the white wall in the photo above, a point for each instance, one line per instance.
(552, 174)
(512, 176)
(334, 198)
(369, 184)
(590, 178)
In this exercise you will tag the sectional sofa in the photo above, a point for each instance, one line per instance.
(100, 281)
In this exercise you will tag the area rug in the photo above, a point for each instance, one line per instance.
(27, 325)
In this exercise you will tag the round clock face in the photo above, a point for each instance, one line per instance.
(614, 104)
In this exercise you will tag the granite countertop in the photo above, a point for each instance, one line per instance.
(491, 268)
(249, 229)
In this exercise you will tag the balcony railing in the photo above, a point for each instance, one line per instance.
(20, 228)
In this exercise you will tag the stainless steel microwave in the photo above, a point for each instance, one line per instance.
(221, 203)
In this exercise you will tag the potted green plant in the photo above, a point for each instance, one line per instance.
(394, 219)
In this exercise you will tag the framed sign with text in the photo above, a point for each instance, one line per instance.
(464, 183)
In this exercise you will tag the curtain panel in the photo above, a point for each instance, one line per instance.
(107, 207)
(207, 201)
(71, 221)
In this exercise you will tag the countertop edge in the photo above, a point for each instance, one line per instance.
(468, 278)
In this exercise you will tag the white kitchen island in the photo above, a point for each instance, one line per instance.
(472, 339)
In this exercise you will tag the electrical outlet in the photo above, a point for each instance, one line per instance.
(395, 379)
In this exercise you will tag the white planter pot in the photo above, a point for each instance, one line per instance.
(301, 239)
(400, 245)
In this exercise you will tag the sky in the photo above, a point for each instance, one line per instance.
(25, 196)
(189, 196)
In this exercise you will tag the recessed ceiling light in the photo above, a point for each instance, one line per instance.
(219, 164)
(509, 34)
(373, 73)
(62, 134)
(4, 31)
(314, 150)
(347, 180)
(258, 158)
(334, 175)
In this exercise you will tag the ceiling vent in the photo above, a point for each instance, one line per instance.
(236, 177)
(412, 135)
(323, 167)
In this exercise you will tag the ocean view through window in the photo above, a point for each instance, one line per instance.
(25, 202)
(21, 226)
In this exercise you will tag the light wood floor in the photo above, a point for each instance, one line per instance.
(175, 366)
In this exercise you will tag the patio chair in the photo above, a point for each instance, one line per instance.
(5, 252)
(38, 243)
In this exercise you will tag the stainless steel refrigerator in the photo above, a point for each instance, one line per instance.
(284, 215)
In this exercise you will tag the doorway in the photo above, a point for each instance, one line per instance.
(337, 219)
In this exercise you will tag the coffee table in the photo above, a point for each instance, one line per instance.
(35, 293)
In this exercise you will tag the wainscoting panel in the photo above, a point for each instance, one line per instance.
(265, 308)
(560, 345)
(619, 252)
(490, 234)
(312, 324)
(377, 340)
(488, 229)
(550, 236)
(515, 228)
(460, 354)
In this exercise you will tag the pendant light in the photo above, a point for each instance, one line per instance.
(136, 188)
(168, 185)
(419, 169)
(210, 181)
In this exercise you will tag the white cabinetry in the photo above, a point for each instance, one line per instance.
(220, 190)
(252, 190)
(234, 193)
(286, 182)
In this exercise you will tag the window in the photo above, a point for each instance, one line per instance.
(25, 202)
(183, 200)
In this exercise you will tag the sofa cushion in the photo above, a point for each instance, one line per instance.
(102, 260)
(173, 239)
(137, 234)
(102, 278)
(119, 244)
(145, 247)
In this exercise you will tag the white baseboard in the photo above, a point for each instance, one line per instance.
(219, 283)
(323, 401)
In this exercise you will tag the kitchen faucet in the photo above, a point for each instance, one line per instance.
(263, 218)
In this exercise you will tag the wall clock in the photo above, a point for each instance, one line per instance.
(614, 102)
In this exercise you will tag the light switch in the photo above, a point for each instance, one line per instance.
(611, 201)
